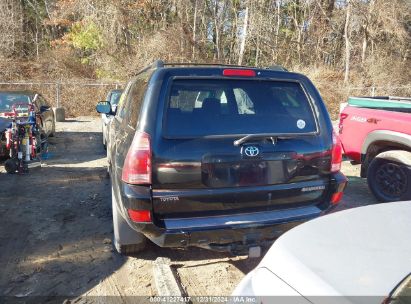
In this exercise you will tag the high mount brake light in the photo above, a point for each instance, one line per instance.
(239, 72)
(336, 154)
(137, 165)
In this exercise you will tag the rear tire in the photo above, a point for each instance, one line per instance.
(126, 240)
(389, 180)
(11, 166)
(53, 131)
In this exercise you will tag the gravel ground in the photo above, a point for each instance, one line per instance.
(55, 232)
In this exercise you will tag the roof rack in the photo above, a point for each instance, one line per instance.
(205, 64)
(277, 67)
(160, 64)
(155, 65)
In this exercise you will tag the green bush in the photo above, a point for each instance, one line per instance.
(86, 38)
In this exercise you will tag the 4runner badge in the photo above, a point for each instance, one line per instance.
(316, 188)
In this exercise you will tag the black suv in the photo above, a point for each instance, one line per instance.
(220, 157)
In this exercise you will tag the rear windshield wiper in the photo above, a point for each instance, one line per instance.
(272, 137)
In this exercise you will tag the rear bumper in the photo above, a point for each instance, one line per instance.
(228, 233)
(223, 233)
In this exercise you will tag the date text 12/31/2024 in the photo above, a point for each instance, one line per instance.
(203, 299)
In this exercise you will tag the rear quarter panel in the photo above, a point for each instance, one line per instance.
(359, 122)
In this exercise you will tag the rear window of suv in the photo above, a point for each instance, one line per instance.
(206, 107)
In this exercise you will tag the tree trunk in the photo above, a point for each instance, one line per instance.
(347, 42)
(194, 31)
(277, 30)
(36, 41)
(366, 30)
(257, 51)
(243, 38)
(234, 29)
(364, 47)
(298, 28)
(216, 36)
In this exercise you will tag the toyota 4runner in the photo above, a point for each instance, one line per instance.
(221, 157)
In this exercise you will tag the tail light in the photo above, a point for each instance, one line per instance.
(340, 125)
(137, 165)
(336, 154)
(8, 139)
(139, 216)
(336, 198)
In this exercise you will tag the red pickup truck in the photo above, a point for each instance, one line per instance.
(376, 133)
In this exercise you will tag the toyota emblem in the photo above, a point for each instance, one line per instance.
(251, 151)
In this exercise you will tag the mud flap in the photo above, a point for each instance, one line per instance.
(123, 233)
(11, 166)
(254, 252)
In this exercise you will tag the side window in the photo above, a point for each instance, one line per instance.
(188, 100)
(108, 97)
(115, 97)
(137, 93)
(293, 101)
(289, 97)
(121, 111)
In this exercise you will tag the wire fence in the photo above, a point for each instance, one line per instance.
(403, 91)
(80, 97)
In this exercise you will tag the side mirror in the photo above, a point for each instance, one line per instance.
(103, 107)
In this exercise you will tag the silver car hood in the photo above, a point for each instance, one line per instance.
(364, 251)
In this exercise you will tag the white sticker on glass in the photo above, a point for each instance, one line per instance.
(301, 124)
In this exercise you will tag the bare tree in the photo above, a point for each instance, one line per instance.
(243, 37)
(351, 39)
(194, 28)
(347, 42)
(11, 27)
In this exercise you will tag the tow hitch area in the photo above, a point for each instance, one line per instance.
(251, 250)
(254, 252)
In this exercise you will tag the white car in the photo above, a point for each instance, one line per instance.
(361, 255)
(113, 97)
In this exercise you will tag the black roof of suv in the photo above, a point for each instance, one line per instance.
(220, 157)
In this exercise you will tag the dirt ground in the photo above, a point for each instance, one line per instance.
(55, 231)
